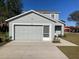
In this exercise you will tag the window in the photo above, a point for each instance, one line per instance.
(57, 28)
(46, 31)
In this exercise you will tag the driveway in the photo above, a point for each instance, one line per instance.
(30, 50)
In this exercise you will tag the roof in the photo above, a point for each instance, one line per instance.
(32, 11)
(43, 11)
(67, 26)
(61, 22)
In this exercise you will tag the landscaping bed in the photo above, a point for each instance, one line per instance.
(3, 43)
(4, 38)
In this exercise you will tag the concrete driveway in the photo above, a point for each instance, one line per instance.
(30, 50)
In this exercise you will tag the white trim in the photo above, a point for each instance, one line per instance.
(50, 32)
(30, 24)
(12, 31)
(45, 39)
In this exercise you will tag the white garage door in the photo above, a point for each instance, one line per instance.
(28, 33)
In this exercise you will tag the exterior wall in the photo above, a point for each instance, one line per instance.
(51, 33)
(56, 16)
(52, 16)
(32, 19)
(48, 15)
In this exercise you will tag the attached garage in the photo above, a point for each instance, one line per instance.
(28, 32)
(32, 26)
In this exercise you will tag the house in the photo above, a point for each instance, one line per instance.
(74, 29)
(67, 29)
(35, 26)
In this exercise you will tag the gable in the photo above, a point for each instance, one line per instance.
(31, 18)
(27, 13)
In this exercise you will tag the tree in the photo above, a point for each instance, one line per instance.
(14, 7)
(2, 10)
(8, 8)
(74, 16)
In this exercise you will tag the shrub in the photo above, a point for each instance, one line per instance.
(2, 40)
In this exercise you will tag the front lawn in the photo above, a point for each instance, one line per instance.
(72, 37)
(71, 51)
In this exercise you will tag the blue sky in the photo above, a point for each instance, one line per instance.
(65, 7)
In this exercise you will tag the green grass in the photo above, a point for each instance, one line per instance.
(71, 51)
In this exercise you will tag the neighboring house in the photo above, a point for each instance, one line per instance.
(74, 29)
(71, 29)
(67, 29)
(35, 26)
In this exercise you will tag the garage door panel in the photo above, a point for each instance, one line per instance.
(29, 33)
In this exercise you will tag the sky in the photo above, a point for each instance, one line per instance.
(64, 7)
